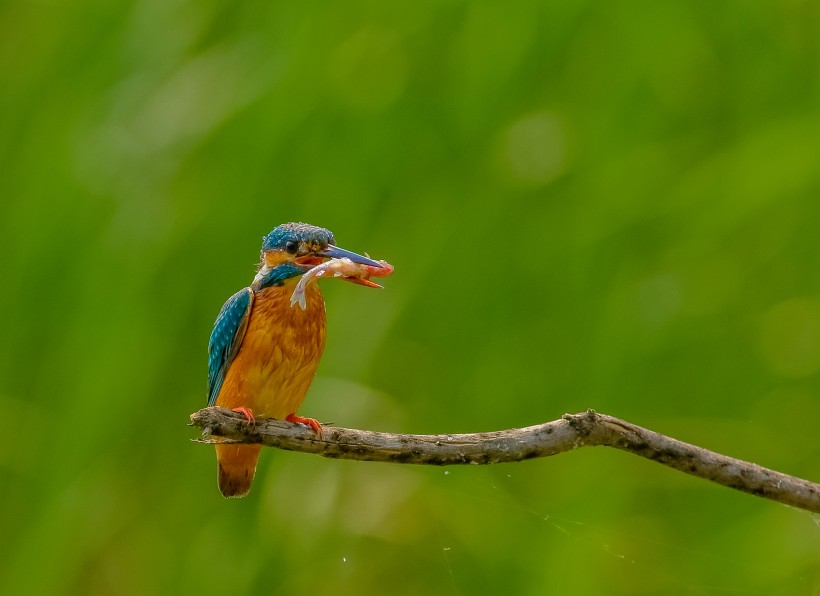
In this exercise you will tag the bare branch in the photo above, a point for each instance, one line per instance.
(516, 444)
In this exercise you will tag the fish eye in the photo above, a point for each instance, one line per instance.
(291, 246)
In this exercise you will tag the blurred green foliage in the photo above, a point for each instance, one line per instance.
(588, 204)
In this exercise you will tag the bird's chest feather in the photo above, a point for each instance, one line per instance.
(279, 353)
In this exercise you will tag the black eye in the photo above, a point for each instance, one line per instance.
(291, 246)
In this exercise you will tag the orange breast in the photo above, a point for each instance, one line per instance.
(279, 355)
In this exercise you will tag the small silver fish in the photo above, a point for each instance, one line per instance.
(344, 268)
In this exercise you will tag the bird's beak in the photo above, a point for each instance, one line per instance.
(334, 252)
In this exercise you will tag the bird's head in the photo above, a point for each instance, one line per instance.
(293, 248)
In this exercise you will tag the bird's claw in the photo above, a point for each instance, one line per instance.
(246, 412)
(314, 424)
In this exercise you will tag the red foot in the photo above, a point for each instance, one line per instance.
(306, 421)
(246, 412)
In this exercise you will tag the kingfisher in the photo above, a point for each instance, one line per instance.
(263, 353)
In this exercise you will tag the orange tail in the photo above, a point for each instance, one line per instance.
(237, 465)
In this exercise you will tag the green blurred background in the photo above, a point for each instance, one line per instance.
(588, 204)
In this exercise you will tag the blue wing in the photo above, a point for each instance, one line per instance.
(226, 338)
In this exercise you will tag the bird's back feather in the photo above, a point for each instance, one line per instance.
(226, 338)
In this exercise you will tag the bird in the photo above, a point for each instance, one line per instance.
(262, 353)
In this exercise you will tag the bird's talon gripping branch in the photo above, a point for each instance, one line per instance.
(312, 423)
(246, 412)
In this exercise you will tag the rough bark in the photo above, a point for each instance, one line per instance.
(512, 445)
